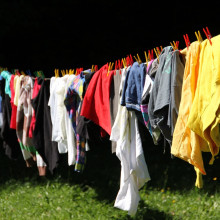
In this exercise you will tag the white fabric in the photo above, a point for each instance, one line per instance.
(57, 109)
(148, 85)
(40, 162)
(134, 171)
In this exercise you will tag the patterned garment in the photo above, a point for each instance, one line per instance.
(144, 111)
(73, 102)
(23, 121)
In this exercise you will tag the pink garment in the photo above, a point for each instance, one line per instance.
(149, 64)
(36, 89)
(13, 106)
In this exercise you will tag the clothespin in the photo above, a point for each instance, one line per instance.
(71, 71)
(136, 59)
(146, 58)
(109, 64)
(186, 38)
(116, 66)
(208, 35)
(158, 51)
(200, 37)
(161, 48)
(23, 73)
(63, 72)
(156, 54)
(56, 71)
(139, 59)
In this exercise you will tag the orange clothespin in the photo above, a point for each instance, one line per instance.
(208, 35)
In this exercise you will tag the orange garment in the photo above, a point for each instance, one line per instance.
(204, 117)
(186, 144)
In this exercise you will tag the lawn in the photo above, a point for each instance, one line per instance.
(69, 195)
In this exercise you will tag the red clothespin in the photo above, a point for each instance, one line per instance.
(96, 68)
(208, 35)
(131, 59)
(128, 60)
(151, 53)
(186, 38)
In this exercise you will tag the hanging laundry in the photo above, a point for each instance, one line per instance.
(69, 131)
(96, 105)
(134, 171)
(42, 133)
(36, 89)
(57, 109)
(73, 102)
(10, 143)
(160, 95)
(204, 116)
(114, 99)
(177, 66)
(133, 87)
(23, 120)
(13, 84)
(186, 144)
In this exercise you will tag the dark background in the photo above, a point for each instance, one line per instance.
(64, 34)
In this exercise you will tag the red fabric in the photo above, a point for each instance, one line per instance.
(13, 107)
(96, 105)
(36, 90)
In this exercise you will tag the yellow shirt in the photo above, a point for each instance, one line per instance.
(186, 144)
(204, 117)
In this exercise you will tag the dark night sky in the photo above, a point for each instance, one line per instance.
(71, 34)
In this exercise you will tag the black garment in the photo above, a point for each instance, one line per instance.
(8, 135)
(42, 134)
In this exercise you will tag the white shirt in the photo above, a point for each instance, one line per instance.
(134, 171)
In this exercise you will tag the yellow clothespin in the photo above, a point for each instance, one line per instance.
(22, 72)
(56, 71)
(172, 45)
(109, 65)
(63, 72)
(146, 58)
(125, 62)
(156, 54)
(136, 59)
(200, 37)
(139, 59)
(175, 47)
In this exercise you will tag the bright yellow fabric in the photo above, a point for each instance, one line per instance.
(204, 117)
(186, 144)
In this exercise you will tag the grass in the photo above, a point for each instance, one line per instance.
(170, 194)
